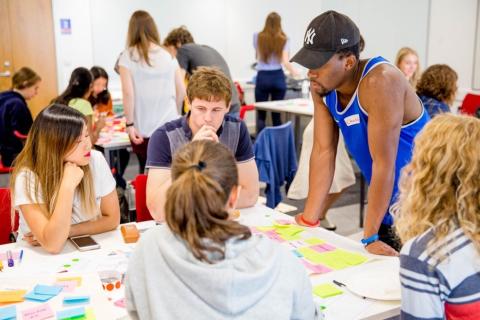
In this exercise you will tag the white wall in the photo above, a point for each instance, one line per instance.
(442, 31)
(75, 49)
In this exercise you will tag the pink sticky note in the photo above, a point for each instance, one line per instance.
(272, 234)
(316, 268)
(68, 286)
(322, 247)
(43, 311)
(120, 303)
(283, 221)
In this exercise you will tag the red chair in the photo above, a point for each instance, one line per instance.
(6, 232)
(244, 107)
(4, 169)
(140, 185)
(471, 105)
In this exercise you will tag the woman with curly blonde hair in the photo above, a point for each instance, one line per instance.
(438, 220)
(437, 88)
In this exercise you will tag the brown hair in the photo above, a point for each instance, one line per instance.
(141, 32)
(439, 81)
(203, 176)
(210, 84)
(24, 78)
(401, 54)
(271, 39)
(178, 37)
(53, 135)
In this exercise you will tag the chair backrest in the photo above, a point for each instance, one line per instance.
(244, 109)
(470, 104)
(140, 185)
(5, 216)
(276, 159)
(4, 169)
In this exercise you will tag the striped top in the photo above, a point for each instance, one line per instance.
(448, 288)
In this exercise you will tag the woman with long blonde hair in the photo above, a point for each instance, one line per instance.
(60, 186)
(438, 220)
(408, 62)
(152, 84)
(271, 47)
(202, 264)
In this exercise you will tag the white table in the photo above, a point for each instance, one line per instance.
(293, 110)
(39, 265)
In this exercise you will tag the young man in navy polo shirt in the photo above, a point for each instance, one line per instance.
(209, 93)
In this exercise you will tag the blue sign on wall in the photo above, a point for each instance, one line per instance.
(65, 26)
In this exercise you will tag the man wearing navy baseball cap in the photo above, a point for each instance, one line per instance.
(377, 111)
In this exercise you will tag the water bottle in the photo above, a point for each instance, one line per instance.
(306, 89)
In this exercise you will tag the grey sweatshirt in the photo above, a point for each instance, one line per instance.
(258, 279)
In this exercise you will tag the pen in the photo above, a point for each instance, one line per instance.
(343, 285)
(10, 258)
(21, 257)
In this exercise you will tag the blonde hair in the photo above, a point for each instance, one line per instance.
(402, 53)
(440, 188)
(271, 39)
(204, 174)
(142, 31)
(54, 133)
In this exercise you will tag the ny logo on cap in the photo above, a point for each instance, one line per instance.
(309, 36)
(343, 40)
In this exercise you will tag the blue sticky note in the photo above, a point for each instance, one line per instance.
(71, 313)
(37, 297)
(75, 299)
(298, 254)
(8, 313)
(48, 290)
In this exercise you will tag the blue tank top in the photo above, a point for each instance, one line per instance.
(353, 122)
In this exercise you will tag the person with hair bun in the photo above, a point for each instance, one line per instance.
(438, 220)
(15, 117)
(203, 265)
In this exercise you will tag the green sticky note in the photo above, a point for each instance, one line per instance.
(350, 258)
(337, 259)
(75, 260)
(288, 237)
(289, 230)
(326, 290)
(314, 241)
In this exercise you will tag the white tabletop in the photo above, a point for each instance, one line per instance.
(39, 266)
(293, 106)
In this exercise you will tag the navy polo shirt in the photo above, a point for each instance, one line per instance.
(167, 139)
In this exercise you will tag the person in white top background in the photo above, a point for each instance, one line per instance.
(152, 85)
(60, 186)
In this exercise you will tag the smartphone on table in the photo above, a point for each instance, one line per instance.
(84, 243)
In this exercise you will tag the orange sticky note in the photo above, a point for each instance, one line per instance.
(78, 279)
(8, 296)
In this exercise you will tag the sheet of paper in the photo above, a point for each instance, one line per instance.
(326, 290)
(43, 311)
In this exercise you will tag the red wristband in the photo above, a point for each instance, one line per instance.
(307, 223)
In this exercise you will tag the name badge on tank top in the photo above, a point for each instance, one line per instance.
(352, 120)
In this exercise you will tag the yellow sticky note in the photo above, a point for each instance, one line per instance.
(89, 314)
(350, 258)
(289, 230)
(263, 229)
(326, 290)
(8, 296)
(314, 241)
(78, 279)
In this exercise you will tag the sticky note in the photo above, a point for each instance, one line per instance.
(15, 255)
(48, 290)
(296, 253)
(67, 286)
(68, 300)
(77, 279)
(314, 241)
(120, 303)
(336, 259)
(43, 311)
(8, 313)
(263, 229)
(8, 296)
(37, 297)
(323, 247)
(71, 313)
(326, 290)
(89, 314)
(316, 268)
